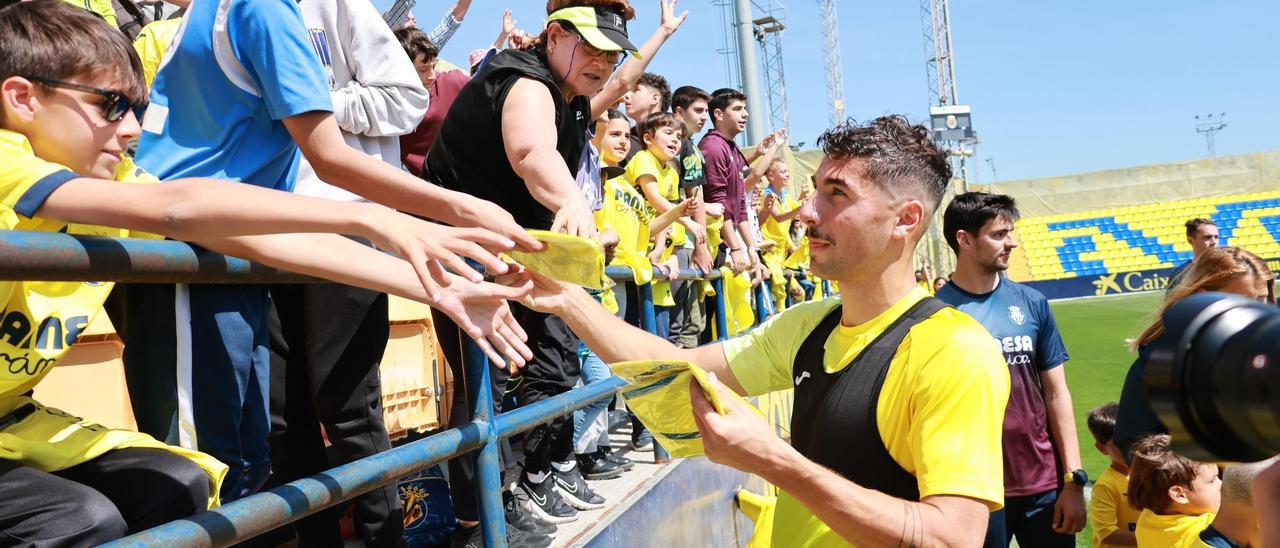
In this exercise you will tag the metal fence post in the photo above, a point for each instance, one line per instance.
(493, 523)
(722, 320)
(649, 323)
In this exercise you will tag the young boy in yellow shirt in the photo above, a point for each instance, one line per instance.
(1237, 521)
(69, 84)
(1178, 496)
(1114, 519)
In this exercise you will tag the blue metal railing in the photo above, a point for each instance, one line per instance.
(62, 257)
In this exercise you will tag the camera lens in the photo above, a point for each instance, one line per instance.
(1212, 375)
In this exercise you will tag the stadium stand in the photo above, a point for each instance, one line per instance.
(1136, 238)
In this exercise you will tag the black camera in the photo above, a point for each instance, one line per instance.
(1212, 378)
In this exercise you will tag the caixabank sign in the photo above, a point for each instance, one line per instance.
(1105, 284)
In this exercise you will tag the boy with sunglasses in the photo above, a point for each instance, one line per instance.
(243, 95)
(62, 168)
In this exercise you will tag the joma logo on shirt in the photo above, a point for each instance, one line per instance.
(52, 334)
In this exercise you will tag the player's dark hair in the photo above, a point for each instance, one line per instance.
(659, 84)
(722, 98)
(54, 40)
(1102, 422)
(684, 96)
(894, 154)
(1193, 226)
(415, 43)
(971, 210)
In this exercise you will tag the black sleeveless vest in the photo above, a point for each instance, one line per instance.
(834, 419)
(469, 153)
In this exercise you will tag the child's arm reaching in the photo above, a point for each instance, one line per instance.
(676, 213)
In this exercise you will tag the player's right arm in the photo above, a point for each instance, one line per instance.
(611, 338)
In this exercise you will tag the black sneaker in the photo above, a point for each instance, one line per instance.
(519, 519)
(473, 537)
(595, 466)
(574, 487)
(624, 462)
(544, 502)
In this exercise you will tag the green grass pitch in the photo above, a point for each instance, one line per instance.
(1095, 330)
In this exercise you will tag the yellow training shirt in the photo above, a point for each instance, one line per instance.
(1109, 508)
(1171, 531)
(101, 7)
(940, 410)
(668, 178)
(43, 319)
(779, 231)
(151, 44)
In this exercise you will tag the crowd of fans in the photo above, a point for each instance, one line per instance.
(294, 134)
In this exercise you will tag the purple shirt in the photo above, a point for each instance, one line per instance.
(724, 167)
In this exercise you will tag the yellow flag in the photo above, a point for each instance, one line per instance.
(658, 394)
(570, 259)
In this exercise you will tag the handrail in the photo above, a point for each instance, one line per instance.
(43, 256)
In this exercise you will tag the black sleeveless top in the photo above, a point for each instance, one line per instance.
(834, 420)
(469, 153)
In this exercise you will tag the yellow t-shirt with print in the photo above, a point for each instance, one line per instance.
(1109, 508)
(1172, 530)
(668, 179)
(100, 7)
(43, 319)
(940, 411)
(152, 43)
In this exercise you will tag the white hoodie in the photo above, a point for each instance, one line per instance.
(376, 93)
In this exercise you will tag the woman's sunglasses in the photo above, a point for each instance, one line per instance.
(615, 57)
(114, 105)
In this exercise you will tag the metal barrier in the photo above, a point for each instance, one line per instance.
(60, 257)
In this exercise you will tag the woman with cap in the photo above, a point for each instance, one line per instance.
(515, 135)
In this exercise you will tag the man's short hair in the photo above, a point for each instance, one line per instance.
(1237, 480)
(1155, 469)
(54, 40)
(1193, 226)
(659, 84)
(415, 43)
(895, 155)
(684, 96)
(1102, 422)
(721, 98)
(656, 120)
(971, 210)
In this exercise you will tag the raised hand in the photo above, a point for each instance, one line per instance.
(508, 23)
(670, 22)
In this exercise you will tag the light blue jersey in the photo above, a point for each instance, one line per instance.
(236, 69)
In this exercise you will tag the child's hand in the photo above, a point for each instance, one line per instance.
(481, 311)
(433, 250)
(508, 23)
(671, 267)
(715, 209)
(609, 240)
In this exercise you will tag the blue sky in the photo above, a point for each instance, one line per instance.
(1056, 87)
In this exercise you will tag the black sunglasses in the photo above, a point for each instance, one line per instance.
(114, 104)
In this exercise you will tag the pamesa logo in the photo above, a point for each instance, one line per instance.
(1126, 282)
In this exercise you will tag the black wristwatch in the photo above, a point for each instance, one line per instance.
(1078, 477)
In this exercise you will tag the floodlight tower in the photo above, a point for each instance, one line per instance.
(398, 13)
(1209, 126)
(768, 32)
(831, 45)
(949, 119)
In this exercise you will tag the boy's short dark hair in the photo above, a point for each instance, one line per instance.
(657, 120)
(684, 96)
(54, 40)
(721, 98)
(895, 155)
(415, 43)
(614, 114)
(1102, 422)
(659, 84)
(1155, 469)
(971, 210)
(1193, 226)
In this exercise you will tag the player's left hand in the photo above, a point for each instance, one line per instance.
(1068, 511)
(739, 438)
